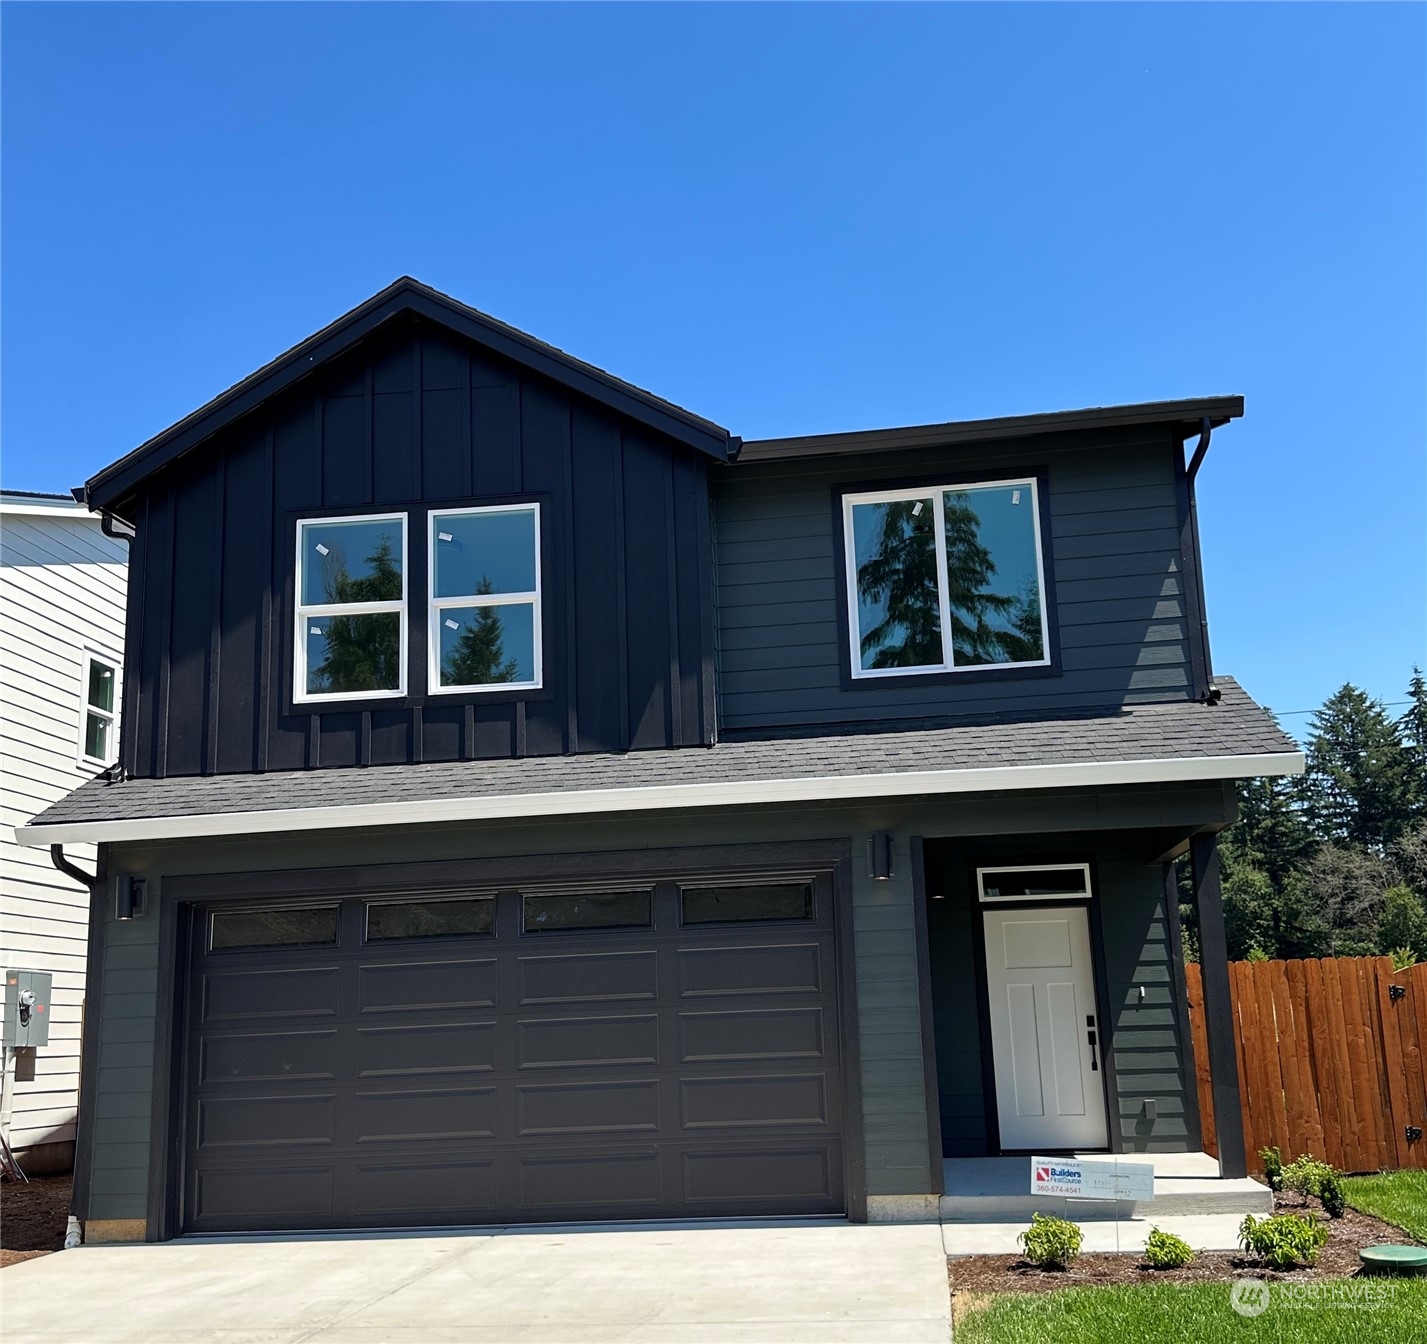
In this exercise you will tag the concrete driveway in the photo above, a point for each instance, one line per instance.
(791, 1282)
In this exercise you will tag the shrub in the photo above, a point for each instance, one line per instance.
(1256, 953)
(1272, 1161)
(1164, 1250)
(1285, 1240)
(1307, 1174)
(1330, 1191)
(1051, 1243)
(1402, 958)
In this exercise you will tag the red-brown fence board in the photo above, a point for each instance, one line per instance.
(1330, 1062)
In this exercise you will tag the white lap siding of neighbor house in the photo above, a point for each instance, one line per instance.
(62, 589)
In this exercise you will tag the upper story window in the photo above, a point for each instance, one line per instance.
(99, 679)
(945, 578)
(351, 608)
(484, 617)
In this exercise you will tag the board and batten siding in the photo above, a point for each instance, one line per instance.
(62, 585)
(1118, 580)
(418, 418)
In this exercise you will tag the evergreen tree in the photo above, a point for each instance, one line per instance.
(1360, 783)
(478, 656)
(1402, 922)
(1271, 833)
(1413, 728)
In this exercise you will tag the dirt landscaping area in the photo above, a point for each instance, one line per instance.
(33, 1217)
(978, 1275)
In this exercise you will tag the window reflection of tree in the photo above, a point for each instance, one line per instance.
(362, 652)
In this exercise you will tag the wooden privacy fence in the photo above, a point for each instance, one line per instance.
(1331, 1057)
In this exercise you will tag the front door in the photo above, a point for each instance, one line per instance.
(1046, 1040)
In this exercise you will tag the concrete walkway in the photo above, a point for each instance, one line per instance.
(683, 1284)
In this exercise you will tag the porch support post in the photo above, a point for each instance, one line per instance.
(1218, 1010)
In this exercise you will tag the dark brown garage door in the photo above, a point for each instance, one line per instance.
(634, 1051)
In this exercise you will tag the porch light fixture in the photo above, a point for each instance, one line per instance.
(132, 894)
(879, 855)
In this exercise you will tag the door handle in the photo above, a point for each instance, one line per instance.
(1090, 1038)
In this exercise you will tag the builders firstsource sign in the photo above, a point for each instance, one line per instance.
(1091, 1180)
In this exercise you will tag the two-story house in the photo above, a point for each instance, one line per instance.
(538, 804)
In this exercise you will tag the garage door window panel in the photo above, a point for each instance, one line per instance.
(461, 917)
(595, 910)
(307, 926)
(754, 903)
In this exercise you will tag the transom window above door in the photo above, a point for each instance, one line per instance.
(484, 619)
(945, 579)
(351, 608)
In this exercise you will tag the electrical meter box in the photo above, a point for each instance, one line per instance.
(27, 1008)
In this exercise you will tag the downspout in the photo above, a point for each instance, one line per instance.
(68, 869)
(1212, 694)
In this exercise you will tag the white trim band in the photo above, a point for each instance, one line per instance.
(659, 797)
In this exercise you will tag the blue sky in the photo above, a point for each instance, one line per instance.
(788, 218)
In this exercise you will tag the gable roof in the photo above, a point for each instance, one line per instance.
(406, 296)
(1139, 744)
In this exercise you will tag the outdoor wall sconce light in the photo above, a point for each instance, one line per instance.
(133, 895)
(879, 855)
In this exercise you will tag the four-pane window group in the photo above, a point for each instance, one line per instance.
(482, 608)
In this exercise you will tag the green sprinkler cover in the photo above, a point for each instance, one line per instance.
(1394, 1257)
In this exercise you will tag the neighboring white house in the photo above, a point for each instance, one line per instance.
(62, 587)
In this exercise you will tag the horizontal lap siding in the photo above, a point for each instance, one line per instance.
(414, 419)
(62, 585)
(1117, 570)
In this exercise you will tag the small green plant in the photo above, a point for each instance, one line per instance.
(1272, 1161)
(1051, 1243)
(1256, 953)
(1402, 958)
(1164, 1250)
(1306, 1175)
(1285, 1240)
(1330, 1191)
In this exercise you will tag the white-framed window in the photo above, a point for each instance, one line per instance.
(945, 579)
(1034, 882)
(350, 635)
(483, 622)
(98, 709)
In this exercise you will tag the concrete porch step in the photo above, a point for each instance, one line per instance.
(997, 1189)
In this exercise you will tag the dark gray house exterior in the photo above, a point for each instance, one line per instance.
(535, 803)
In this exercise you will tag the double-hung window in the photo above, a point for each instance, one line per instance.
(99, 680)
(484, 617)
(351, 608)
(945, 579)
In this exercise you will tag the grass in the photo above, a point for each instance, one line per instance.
(1173, 1313)
(1396, 1196)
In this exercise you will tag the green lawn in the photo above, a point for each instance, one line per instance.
(1398, 1196)
(1175, 1313)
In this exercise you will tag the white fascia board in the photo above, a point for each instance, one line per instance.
(74, 512)
(576, 802)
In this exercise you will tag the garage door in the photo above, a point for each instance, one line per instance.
(632, 1051)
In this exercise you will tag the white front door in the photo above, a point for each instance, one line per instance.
(1045, 1032)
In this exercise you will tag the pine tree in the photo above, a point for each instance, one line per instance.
(1413, 727)
(1360, 781)
(478, 656)
(1271, 833)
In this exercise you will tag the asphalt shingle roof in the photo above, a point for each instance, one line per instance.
(1152, 732)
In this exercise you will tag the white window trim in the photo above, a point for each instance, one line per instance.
(1082, 868)
(300, 694)
(88, 657)
(937, 493)
(436, 605)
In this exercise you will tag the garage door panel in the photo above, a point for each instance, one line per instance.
(590, 977)
(609, 1183)
(465, 1187)
(268, 1056)
(438, 1047)
(272, 1121)
(299, 991)
(448, 1113)
(230, 1195)
(566, 1042)
(759, 1176)
(757, 1102)
(784, 969)
(411, 986)
(587, 1108)
(777, 1033)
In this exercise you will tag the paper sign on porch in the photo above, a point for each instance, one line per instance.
(1076, 1179)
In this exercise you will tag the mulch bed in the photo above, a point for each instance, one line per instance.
(33, 1217)
(1339, 1258)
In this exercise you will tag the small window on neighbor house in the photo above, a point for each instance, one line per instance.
(98, 713)
(351, 608)
(484, 619)
(945, 578)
